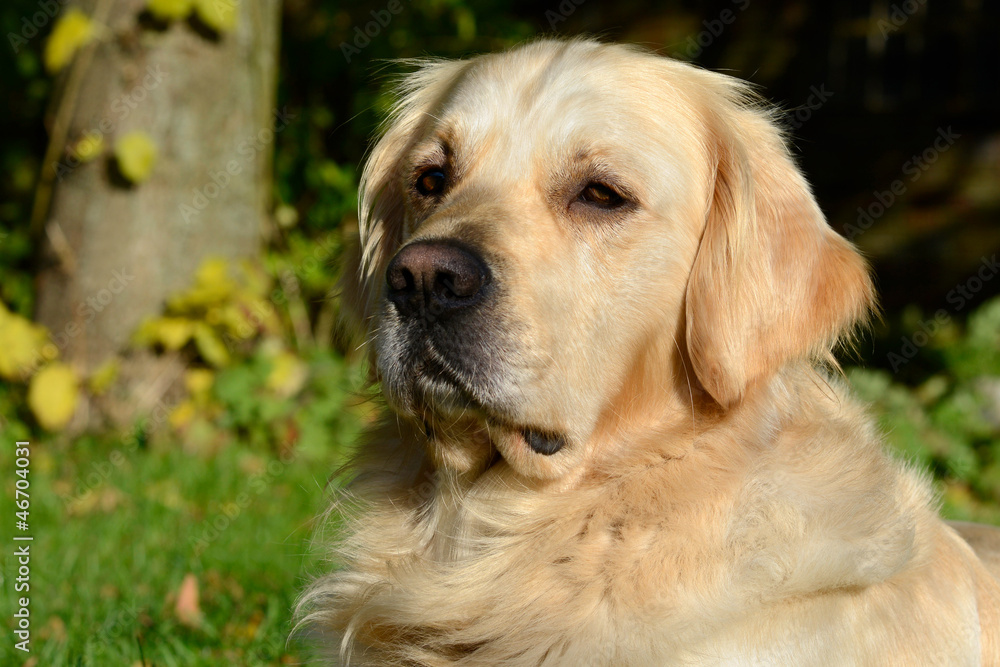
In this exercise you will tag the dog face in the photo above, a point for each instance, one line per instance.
(565, 241)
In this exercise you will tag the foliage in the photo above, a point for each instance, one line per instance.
(950, 423)
(135, 155)
(219, 15)
(224, 310)
(170, 10)
(53, 395)
(23, 345)
(246, 380)
(73, 30)
(27, 353)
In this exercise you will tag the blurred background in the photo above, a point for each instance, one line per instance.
(179, 182)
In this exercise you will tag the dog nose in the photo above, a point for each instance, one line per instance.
(436, 277)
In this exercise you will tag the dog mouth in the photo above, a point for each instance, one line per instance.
(466, 411)
(539, 440)
(441, 394)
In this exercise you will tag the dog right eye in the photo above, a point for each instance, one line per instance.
(431, 182)
(601, 196)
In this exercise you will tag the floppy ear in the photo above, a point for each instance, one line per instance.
(771, 282)
(381, 211)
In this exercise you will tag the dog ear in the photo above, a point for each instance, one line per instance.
(381, 210)
(771, 282)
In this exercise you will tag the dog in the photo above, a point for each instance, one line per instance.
(600, 301)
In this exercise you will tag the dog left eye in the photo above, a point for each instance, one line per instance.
(431, 182)
(601, 196)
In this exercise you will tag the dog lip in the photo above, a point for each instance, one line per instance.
(539, 440)
(542, 442)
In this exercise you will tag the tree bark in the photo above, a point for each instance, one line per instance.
(113, 251)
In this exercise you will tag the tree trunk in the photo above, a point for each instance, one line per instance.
(113, 251)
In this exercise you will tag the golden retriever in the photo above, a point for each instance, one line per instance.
(600, 301)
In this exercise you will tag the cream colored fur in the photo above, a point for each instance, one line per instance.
(721, 499)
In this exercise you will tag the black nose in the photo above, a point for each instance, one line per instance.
(435, 278)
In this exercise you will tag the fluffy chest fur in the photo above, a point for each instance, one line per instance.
(680, 555)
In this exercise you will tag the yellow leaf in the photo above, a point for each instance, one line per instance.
(182, 414)
(102, 378)
(213, 285)
(288, 374)
(136, 154)
(173, 332)
(213, 271)
(210, 345)
(147, 333)
(89, 147)
(169, 10)
(198, 382)
(53, 395)
(219, 15)
(73, 30)
(22, 345)
(236, 323)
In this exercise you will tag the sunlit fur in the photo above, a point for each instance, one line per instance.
(721, 499)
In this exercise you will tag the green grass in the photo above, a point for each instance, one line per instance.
(113, 544)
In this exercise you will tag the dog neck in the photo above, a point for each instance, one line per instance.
(720, 515)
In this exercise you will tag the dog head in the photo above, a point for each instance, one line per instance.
(571, 238)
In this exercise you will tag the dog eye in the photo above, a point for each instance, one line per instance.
(431, 182)
(601, 196)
